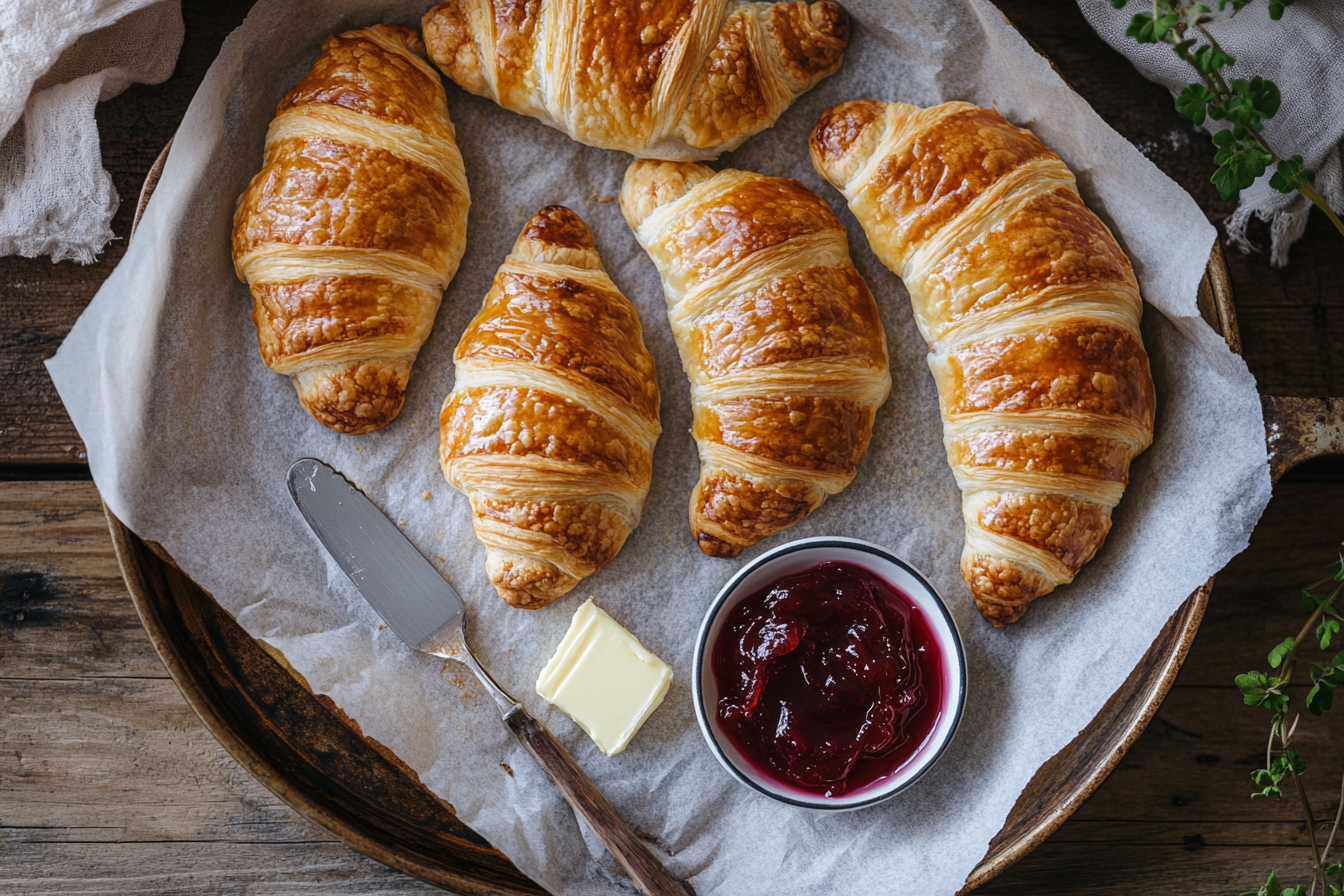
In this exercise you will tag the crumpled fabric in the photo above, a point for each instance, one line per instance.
(1303, 53)
(57, 61)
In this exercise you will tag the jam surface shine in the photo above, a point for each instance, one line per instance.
(829, 679)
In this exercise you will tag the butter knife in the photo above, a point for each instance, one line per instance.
(426, 612)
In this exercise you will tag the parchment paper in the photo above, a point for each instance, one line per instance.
(189, 438)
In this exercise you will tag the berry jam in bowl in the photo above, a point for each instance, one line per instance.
(829, 674)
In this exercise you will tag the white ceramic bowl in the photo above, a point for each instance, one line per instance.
(794, 557)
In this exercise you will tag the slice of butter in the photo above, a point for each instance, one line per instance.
(604, 679)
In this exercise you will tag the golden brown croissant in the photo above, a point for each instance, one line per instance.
(550, 426)
(354, 226)
(1031, 313)
(778, 334)
(675, 79)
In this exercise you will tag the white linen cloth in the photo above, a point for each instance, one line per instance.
(57, 61)
(1303, 53)
(190, 436)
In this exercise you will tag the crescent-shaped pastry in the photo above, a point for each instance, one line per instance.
(672, 79)
(778, 333)
(354, 226)
(1031, 313)
(550, 426)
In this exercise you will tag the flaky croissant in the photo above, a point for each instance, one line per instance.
(778, 333)
(1031, 313)
(354, 226)
(550, 426)
(676, 79)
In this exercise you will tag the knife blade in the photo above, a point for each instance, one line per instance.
(392, 575)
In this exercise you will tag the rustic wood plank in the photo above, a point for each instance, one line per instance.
(190, 869)
(64, 612)
(1068, 869)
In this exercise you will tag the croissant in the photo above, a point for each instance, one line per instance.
(1031, 313)
(778, 333)
(550, 426)
(354, 226)
(677, 79)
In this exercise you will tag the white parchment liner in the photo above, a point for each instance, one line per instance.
(189, 437)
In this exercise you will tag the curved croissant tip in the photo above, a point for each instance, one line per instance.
(840, 127)
(451, 44)
(830, 19)
(1002, 590)
(713, 546)
(395, 34)
(556, 225)
(354, 398)
(650, 183)
(525, 582)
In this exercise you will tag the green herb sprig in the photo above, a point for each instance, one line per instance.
(1243, 152)
(1283, 764)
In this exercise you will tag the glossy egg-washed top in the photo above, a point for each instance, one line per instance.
(551, 424)
(661, 78)
(354, 225)
(778, 333)
(1031, 312)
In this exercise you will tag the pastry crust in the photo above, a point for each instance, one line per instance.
(664, 79)
(354, 226)
(778, 333)
(552, 420)
(1031, 313)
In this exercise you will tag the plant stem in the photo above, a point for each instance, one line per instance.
(1311, 828)
(1319, 201)
(1334, 829)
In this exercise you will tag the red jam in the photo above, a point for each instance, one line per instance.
(829, 679)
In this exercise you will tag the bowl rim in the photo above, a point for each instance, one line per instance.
(958, 706)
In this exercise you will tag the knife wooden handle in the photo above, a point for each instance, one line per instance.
(647, 873)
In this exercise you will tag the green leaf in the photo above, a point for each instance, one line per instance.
(1240, 160)
(1326, 631)
(1276, 8)
(1276, 656)
(1254, 686)
(1261, 93)
(1193, 102)
(1162, 25)
(1336, 570)
(1141, 28)
(1271, 886)
(1208, 60)
(1119, 4)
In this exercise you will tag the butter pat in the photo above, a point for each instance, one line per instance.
(604, 679)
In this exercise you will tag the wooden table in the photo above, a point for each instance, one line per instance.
(109, 783)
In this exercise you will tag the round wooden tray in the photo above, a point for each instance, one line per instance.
(313, 756)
